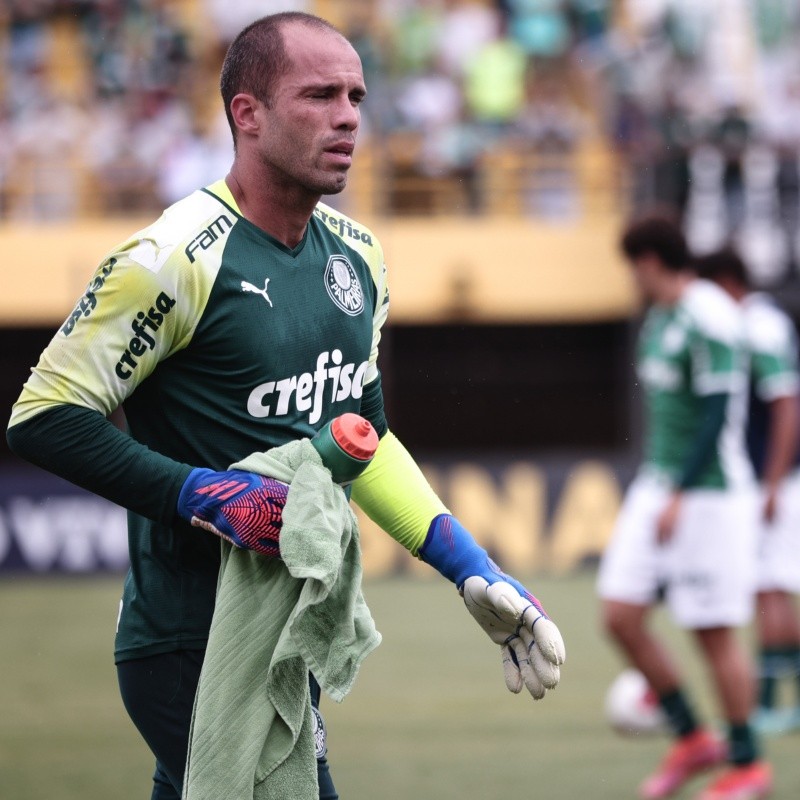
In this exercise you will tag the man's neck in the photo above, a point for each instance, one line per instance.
(738, 293)
(674, 288)
(283, 215)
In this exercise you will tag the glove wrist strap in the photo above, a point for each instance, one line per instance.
(450, 549)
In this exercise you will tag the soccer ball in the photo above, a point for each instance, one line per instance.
(631, 706)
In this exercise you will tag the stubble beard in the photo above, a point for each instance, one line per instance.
(340, 184)
(328, 181)
(315, 181)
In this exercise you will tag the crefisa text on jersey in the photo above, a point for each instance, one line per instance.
(343, 227)
(143, 340)
(308, 388)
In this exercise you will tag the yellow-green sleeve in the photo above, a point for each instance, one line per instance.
(395, 494)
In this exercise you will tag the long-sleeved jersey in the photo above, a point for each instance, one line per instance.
(218, 341)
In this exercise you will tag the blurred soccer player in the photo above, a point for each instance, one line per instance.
(772, 438)
(686, 527)
(248, 316)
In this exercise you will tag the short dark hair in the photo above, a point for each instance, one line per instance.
(723, 263)
(660, 236)
(257, 57)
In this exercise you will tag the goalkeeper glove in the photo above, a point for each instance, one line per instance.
(532, 647)
(242, 507)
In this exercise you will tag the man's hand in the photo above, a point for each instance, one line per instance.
(531, 645)
(668, 518)
(242, 507)
(770, 507)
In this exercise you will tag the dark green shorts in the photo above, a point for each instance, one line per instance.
(158, 693)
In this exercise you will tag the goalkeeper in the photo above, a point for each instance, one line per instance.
(247, 316)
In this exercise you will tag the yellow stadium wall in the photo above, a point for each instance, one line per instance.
(441, 270)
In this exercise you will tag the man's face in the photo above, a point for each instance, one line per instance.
(648, 274)
(309, 130)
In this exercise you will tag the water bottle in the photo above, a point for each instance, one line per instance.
(346, 444)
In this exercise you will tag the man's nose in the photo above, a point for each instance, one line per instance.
(346, 115)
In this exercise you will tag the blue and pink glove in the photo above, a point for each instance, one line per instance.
(242, 507)
(532, 647)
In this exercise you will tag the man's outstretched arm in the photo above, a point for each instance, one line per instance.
(394, 493)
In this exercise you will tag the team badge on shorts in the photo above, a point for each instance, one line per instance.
(343, 285)
(320, 735)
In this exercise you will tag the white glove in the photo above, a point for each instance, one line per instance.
(531, 645)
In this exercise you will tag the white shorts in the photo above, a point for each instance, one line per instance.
(779, 543)
(707, 571)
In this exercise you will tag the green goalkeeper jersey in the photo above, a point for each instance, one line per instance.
(218, 341)
(687, 352)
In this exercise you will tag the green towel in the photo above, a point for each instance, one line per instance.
(274, 621)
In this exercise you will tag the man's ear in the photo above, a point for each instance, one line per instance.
(245, 112)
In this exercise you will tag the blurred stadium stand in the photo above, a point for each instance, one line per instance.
(496, 208)
(504, 142)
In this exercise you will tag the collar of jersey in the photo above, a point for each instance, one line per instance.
(221, 192)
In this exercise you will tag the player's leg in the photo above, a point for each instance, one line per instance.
(626, 625)
(162, 786)
(158, 693)
(326, 787)
(778, 632)
(631, 572)
(695, 749)
(733, 678)
(712, 583)
(630, 577)
(777, 621)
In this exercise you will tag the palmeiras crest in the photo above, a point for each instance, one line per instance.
(320, 734)
(343, 285)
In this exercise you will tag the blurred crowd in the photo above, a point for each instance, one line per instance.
(110, 105)
(98, 99)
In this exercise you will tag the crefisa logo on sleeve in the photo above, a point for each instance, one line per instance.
(343, 285)
(144, 327)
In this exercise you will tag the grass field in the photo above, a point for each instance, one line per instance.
(429, 716)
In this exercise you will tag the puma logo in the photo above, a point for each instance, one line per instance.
(248, 287)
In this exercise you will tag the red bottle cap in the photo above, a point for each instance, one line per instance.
(355, 435)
